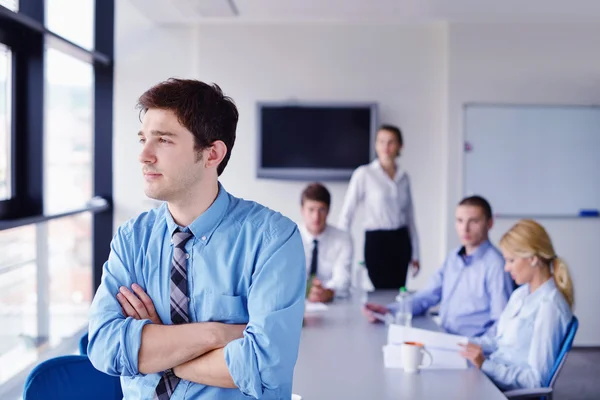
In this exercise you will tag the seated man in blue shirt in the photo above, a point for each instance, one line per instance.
(202, 297)
(471, 287)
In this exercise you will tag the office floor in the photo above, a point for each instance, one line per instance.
(580, 378)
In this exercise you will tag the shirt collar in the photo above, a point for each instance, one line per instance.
(309, 236)
(376, 165)
(203, 226)
(476, 255)
(540, 292)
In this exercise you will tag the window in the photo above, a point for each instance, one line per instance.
(18, 308)
(73, 20)
(66, 293)
(55, 155)
(70, 273)
(5, 122)
(69, 132)
(12, 5)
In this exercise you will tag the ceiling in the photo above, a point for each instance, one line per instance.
(365, 11)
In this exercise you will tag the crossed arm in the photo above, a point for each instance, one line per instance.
(259, 359)
(194, 351)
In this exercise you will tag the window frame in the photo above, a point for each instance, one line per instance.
(7, 40)
(25, 33)
(27, 36)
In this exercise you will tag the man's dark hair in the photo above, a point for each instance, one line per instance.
(395, 130)
(316, 192)
(201, 108)
(478, 201)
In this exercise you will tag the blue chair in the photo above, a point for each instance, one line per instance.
(546, 391)
(70, 377)
(83, 344)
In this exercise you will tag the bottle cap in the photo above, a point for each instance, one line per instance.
(402, 289)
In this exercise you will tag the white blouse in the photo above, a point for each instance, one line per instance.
(388, 202)
(530, 332)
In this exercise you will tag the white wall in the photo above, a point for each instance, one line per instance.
(530, 63)
(145, 55)
(420, 75)
(402, 68)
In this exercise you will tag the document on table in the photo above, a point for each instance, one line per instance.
(444, 347)
(310, 307)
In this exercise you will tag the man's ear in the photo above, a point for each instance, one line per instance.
(215, 154)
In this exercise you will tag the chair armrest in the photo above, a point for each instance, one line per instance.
(528, 393)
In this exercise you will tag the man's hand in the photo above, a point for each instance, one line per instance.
(473, 353)
(416, 267)
(138, 304)
(318, 294)
(370, 308)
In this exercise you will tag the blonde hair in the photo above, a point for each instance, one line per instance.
(527, 238)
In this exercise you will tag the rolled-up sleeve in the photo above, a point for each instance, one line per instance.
(265, 357)
(488, 343)
(114, 341)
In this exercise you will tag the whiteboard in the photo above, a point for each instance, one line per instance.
(533, 160)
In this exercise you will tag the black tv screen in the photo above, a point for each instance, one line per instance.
(314, 142)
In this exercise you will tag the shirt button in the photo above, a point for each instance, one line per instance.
(203, 237)
(187, 255)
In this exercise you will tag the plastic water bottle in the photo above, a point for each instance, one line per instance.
(359, 288)
(403, 315)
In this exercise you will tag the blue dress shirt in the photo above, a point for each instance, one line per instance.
(472, 291)
(246, 266)
(530, 332)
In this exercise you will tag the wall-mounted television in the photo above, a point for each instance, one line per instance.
(314, 141)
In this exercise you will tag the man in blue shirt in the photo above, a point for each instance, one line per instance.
(471, 287)
(202, 297)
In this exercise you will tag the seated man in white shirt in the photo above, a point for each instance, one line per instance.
(328, 249)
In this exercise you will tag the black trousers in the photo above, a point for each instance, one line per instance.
(387, 256)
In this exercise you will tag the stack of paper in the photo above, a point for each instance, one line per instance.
(310, 307)
(443, 347)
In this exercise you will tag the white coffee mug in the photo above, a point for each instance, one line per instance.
(412, 357)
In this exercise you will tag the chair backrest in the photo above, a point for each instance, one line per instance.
(564, 351)
(83, 344)
(70, 377)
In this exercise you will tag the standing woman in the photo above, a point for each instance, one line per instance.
(391, 241)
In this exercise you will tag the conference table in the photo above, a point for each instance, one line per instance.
(341, 357)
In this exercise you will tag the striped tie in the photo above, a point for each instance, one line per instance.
(179, 306)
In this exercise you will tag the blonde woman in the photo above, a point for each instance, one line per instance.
(535, 320)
